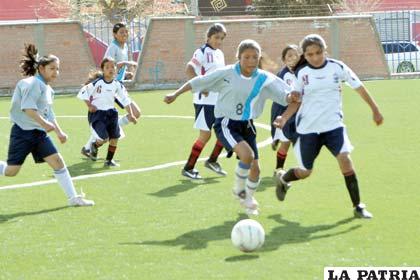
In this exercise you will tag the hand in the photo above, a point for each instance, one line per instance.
(92, 108)
(169, 98)
(48, 126)
(132, 119)
(279, 122)
(294, 96)
(378, 118)
(62, 136)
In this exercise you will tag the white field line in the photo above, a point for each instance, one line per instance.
(137, 170)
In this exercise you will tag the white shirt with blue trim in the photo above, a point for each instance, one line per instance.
(32, 93)
(240, 97)
(119, 54)
(321, 108)
(101, 94)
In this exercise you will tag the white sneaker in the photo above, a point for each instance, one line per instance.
(361, 212)
(250, 204)
(80, 200)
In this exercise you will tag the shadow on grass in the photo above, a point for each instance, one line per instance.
(196, 239)
(8, 217)
(266, 182)
(288, 232)
(184, 186)
(86, 167)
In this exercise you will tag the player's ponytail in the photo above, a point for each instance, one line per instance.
(31, 61)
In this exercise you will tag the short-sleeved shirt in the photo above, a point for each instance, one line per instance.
(204, 61)
(321, 108)
(32, 93)
(102, 94)
(119, 54)
(240, 97)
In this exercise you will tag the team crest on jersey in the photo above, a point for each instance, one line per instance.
(305, 80)
(336, 79)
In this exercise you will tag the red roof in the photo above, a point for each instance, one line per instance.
(25, 9)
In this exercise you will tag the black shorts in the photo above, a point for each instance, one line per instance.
(22, 142)
(105, 124)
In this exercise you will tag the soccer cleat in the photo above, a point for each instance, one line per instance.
(250, 204)
(281, 185)
(215, 167)
(111, 163)
(192, 174)
(274, 144)
(85, 152)
(93, 152)
(361, 212)
(80, 200)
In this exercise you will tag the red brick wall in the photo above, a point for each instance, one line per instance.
(63, 39)
(170, 42)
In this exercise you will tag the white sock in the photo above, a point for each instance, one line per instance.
(89, 142)
(3, 166)
(241, 175)
(65, 182)
(123, 121)
(251, 186)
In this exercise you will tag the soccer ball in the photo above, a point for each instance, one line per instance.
(247, 235)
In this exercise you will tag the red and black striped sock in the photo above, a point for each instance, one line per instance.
(111, 152)
(218, 147)
(281, 158)
(195, 153)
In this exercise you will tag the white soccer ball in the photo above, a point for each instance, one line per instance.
(248, 235)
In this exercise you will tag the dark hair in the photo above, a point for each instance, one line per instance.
(95, 74)
(288, 48)
(117, 27)
(309, 40)
(216, 28)
(247, 44)
(30, 62)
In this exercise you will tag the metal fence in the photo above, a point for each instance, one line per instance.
(98, 32)
(399, 32)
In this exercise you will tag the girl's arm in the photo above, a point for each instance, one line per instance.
(45, 124)
(377, 116)
(60, 133)
(292, 108)
(169, 98)
(130, 115)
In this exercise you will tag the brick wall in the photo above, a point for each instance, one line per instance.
(63, 39)
(170, 42)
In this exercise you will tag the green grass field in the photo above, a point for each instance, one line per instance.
(154, 224)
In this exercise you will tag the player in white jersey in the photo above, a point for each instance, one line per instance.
(118, 50)
(33, 117)
(319, 120)
(243, 90)
(99, 96)
(205, 60)
(290, 57)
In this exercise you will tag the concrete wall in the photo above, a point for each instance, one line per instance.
(63, 39)
(170, 42)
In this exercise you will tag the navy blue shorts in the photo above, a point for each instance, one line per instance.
(231, 132)
(308, 146)
(289, 129)
(22, 142)
(105, 124)
(204, 117)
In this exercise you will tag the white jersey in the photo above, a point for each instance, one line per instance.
(102, 94)
(205, 60)
(32, 93)
(241, 98)
(287, 76)
(321, 108)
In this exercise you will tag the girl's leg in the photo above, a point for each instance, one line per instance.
(282, 154)
(9, 170)
(62, 175)
(246, 156)
(112, 147)
(122, 121)
(199, 144)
